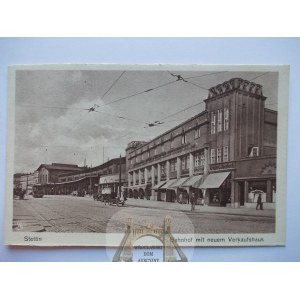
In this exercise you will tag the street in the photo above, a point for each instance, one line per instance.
(54, 213)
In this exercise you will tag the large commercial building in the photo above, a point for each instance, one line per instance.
(226, 153)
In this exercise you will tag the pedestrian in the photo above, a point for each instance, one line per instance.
(193, 200)
(259, 203)
(180, 200)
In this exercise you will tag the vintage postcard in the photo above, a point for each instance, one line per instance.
(121, 155)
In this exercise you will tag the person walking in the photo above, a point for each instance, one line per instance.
(259, 203)
(193, 201)
(180, 198)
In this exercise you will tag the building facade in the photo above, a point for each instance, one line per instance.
(84, 181)
(226, 154)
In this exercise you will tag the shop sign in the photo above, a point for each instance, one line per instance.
(228, 165)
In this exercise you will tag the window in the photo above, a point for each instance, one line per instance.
(197, 131)
(163, 169)
(220, 116)
(219, 155)
(173, 165)
(155, 150)
(225, 153)
(226, 119)
(254, 152)
(202, 159)
(213, 123)
(171, 141)
(197, 160)
(212, 156)
(183, 137)
(137, 159)
(185, 162)
(162, 147)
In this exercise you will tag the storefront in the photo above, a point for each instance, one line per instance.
(216, 189)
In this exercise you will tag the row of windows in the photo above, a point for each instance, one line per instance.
(223, 125)
(219, 155)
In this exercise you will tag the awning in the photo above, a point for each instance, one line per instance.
(169, 183)
(178, 183)
(159, 185)
(193, 181)
(142, 186)
(213, 181)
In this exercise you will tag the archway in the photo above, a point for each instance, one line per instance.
(135, 194)
(130, 193)
(141, 193)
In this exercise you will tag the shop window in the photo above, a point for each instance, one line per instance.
(220, 120)
(212, 156)
(225, 154)
(213, 123)
(257, 188)
(219, 155)
(226, 119)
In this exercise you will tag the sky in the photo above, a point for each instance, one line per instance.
(54, 124)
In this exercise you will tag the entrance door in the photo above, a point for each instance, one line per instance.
(242, 193)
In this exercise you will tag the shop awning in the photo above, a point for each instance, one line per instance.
(178, 183)
(159, 185)
(213, 181)
(142, 186)
(193, 181)
(169, 183)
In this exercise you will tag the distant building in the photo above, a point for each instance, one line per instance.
(226, 154)
(49, 173)
(84, 180)
(24, 181)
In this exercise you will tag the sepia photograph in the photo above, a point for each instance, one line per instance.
(97, 153)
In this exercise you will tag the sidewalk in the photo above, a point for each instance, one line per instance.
(206, 209)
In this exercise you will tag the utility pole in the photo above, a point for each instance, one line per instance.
(26, 182)
(120, 195)
(103, 154)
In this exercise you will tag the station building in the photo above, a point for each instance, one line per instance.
(226, 154)
(82, 180)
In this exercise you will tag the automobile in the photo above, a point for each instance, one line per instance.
(37, 191)
(74, 193)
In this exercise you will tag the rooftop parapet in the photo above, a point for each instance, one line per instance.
(235, 84)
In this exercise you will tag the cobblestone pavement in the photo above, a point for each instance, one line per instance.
(78, 214)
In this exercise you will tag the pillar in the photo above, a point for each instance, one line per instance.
(158, 173)
(140, 177)
(129, 179)
(134, 178)
(269, 191)
(246, 191)
(152, 183)
(206, 161)
(146, 175)
(234, 194)
(168, 170)
(178, 167)
(191, 166)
